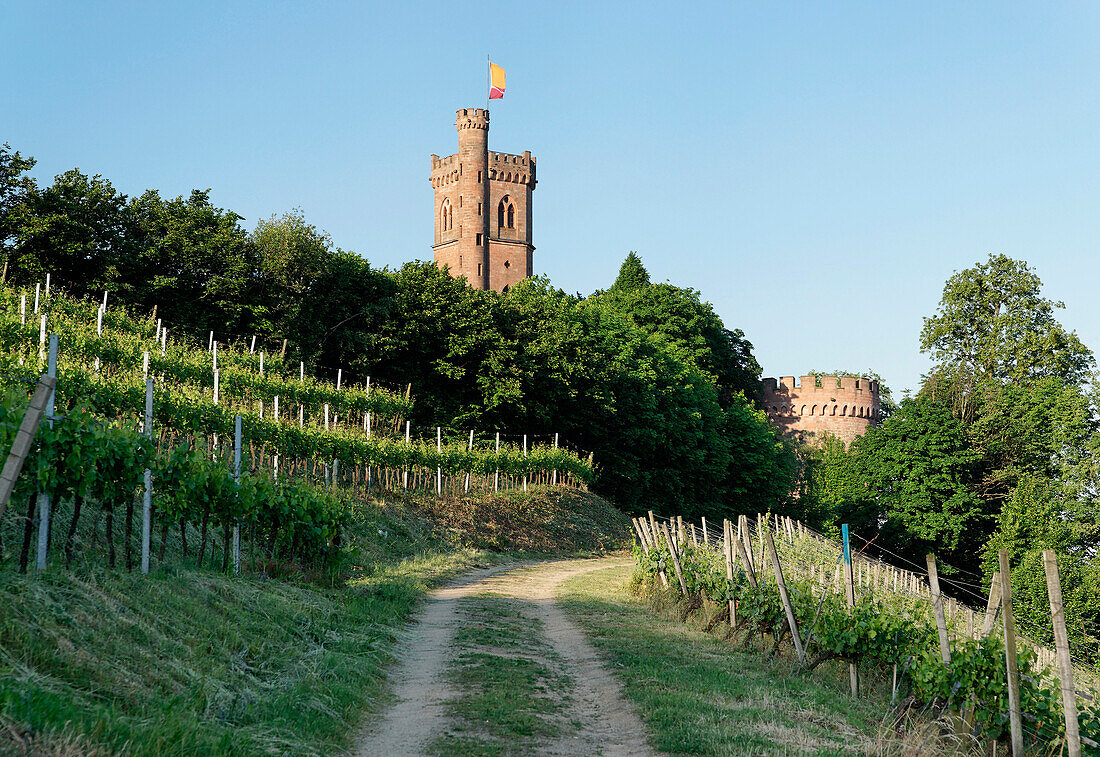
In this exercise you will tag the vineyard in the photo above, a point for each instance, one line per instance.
(775, 579)
(227, 440)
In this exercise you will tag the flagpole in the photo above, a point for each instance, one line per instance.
(488, 79)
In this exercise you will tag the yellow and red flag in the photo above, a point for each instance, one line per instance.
(496, 82)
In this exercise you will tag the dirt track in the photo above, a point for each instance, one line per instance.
(605, 723)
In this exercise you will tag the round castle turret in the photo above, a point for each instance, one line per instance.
(843, 406)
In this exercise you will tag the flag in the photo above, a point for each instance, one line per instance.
(496, 82)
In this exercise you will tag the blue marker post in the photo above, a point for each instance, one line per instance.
(850, 594)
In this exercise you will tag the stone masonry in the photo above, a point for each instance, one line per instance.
(483, 208)
(844, 406)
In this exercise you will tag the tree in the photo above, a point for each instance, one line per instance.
(1033, 519)
(832, 490)
(993, 324)
(340, 320)
(76, 229)
(1041, 428)
(438, 334)
(194, 262)
(695, 332)
(918, 469)
(15, 187)
(632, 275)
(291, 256)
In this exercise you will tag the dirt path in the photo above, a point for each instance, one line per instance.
(604, 722)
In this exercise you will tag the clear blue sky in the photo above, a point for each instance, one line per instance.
(816, 170)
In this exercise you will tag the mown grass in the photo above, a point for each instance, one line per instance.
(512, 689)
(188, 661)
(699, 695)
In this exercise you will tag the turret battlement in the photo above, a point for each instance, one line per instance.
(840, 405)
(472, 118)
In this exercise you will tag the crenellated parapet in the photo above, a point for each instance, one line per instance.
(844, 406)
(472, 118)
(517, 169)
(445, 171)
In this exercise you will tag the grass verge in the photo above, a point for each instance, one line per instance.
(698, 695)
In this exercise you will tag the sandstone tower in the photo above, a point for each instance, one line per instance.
(483, 208)
(843, 406)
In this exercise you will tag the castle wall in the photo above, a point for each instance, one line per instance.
(511, 181)
(844, 406)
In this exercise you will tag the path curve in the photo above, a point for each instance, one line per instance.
(608, 723)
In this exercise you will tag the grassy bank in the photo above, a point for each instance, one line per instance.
(193, 662)
(700, 695)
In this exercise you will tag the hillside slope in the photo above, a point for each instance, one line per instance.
(188, 661)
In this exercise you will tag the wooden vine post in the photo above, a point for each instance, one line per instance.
(675, 558)
(992, 605)
(237, 479)
(641, 536)
(1065, 663)
(655, 537)
(21, 447)
(937, 607)
(1015, 717)
(727, 551)
(744, 553)
(792, 623)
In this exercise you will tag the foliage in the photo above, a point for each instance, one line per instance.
(691, 328)
(79, 224)
(869, 631)
(15, 184)
(881, 630)
(993, 323)
(632, 275)
(918, 470)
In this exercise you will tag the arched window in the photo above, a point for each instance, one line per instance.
(844, 410)
(813, 410)
(446, 216)
(803, 410)
(506, 213)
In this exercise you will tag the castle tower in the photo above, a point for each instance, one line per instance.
(483, 208)
(843, 406)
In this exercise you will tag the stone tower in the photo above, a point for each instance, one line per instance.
(483, 208)
(843, 406)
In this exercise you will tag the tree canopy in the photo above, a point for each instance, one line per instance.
(993, 323)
